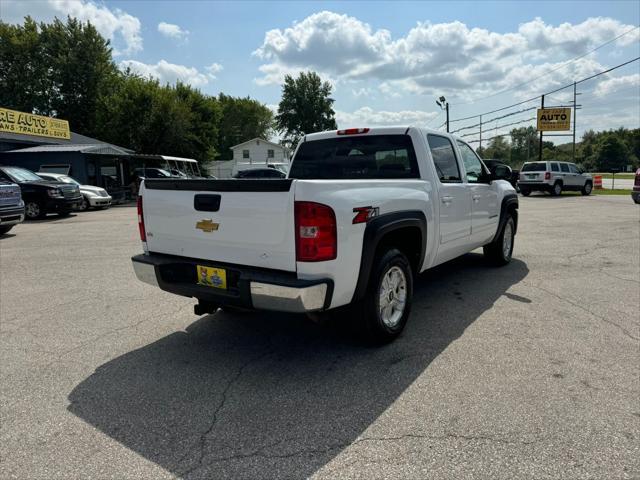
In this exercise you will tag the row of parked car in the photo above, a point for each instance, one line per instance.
(25, 194)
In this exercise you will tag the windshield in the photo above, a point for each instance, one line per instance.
(377, 156)
(535, 167)
(21, 174)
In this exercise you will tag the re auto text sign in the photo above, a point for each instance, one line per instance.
(13, 121)
(554, 119)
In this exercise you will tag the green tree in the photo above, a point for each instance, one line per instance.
(611, 153)
(524, 144)
(498, 149)
(241, 119)
(58, 69)
(306, 107)
(23, 72)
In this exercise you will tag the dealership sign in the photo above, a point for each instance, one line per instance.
(554, 119)
(12, 121)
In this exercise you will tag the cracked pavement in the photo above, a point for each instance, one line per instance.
(527, 371)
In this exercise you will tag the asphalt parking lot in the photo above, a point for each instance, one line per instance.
(527, 371)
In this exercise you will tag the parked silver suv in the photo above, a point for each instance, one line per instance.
(553, 177)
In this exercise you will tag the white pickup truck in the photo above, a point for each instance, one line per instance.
(362, 212)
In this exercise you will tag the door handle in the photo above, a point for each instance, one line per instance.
(476, 198)
(447, 199)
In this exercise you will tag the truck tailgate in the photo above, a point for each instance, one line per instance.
(244, 222)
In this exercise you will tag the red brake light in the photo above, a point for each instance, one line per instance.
(547, 175)
(352, 131)
(316, 234)
(143, 233)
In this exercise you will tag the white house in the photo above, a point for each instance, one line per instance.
(260, 151)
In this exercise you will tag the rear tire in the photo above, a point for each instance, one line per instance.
(556, 190)
(500, 251)
(586, 190)
(385, 309)
(525, 191)
(6, 229)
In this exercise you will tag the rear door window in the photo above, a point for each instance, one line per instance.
(555, 167)
(361, 157)
(444, 159)
(564, 167)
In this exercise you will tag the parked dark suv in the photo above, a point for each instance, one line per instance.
(40, 196)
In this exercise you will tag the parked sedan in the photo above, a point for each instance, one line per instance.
(92, 196)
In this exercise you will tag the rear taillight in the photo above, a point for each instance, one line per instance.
(352, 131)
(547, 175)
(143, 233)
(316, 234)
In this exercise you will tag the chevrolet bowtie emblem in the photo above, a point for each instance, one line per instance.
(207, 225)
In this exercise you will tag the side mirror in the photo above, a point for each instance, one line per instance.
(501, 172)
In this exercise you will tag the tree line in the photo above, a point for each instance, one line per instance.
(66, 70)
(605, 151)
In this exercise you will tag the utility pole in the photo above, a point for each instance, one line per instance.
(540, 146)
(575, 108)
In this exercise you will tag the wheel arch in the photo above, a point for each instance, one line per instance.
(508, 207)
(405, 230)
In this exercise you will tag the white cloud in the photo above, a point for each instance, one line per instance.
(366, 116)
(167, 72)
(362, 92)
(605, 87)
(443, 58)
(115, 24)
(172, 31)
(213, 70)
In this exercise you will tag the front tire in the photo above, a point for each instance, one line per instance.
(34, 211)
(84, 206)
(499, 251)
(586, 190)
(385, 309)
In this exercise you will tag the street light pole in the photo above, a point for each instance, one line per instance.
(444, 105)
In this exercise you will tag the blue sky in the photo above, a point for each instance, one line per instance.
(387, 60)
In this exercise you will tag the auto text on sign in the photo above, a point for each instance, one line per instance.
(12, 121)
(554, 119)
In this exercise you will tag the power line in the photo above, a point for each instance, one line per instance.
(550, 71)
(430, 122)
(547, 93)
(494, 119)
(500, 126)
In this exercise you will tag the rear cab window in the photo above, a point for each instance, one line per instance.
(354, 158)
(534, 167)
